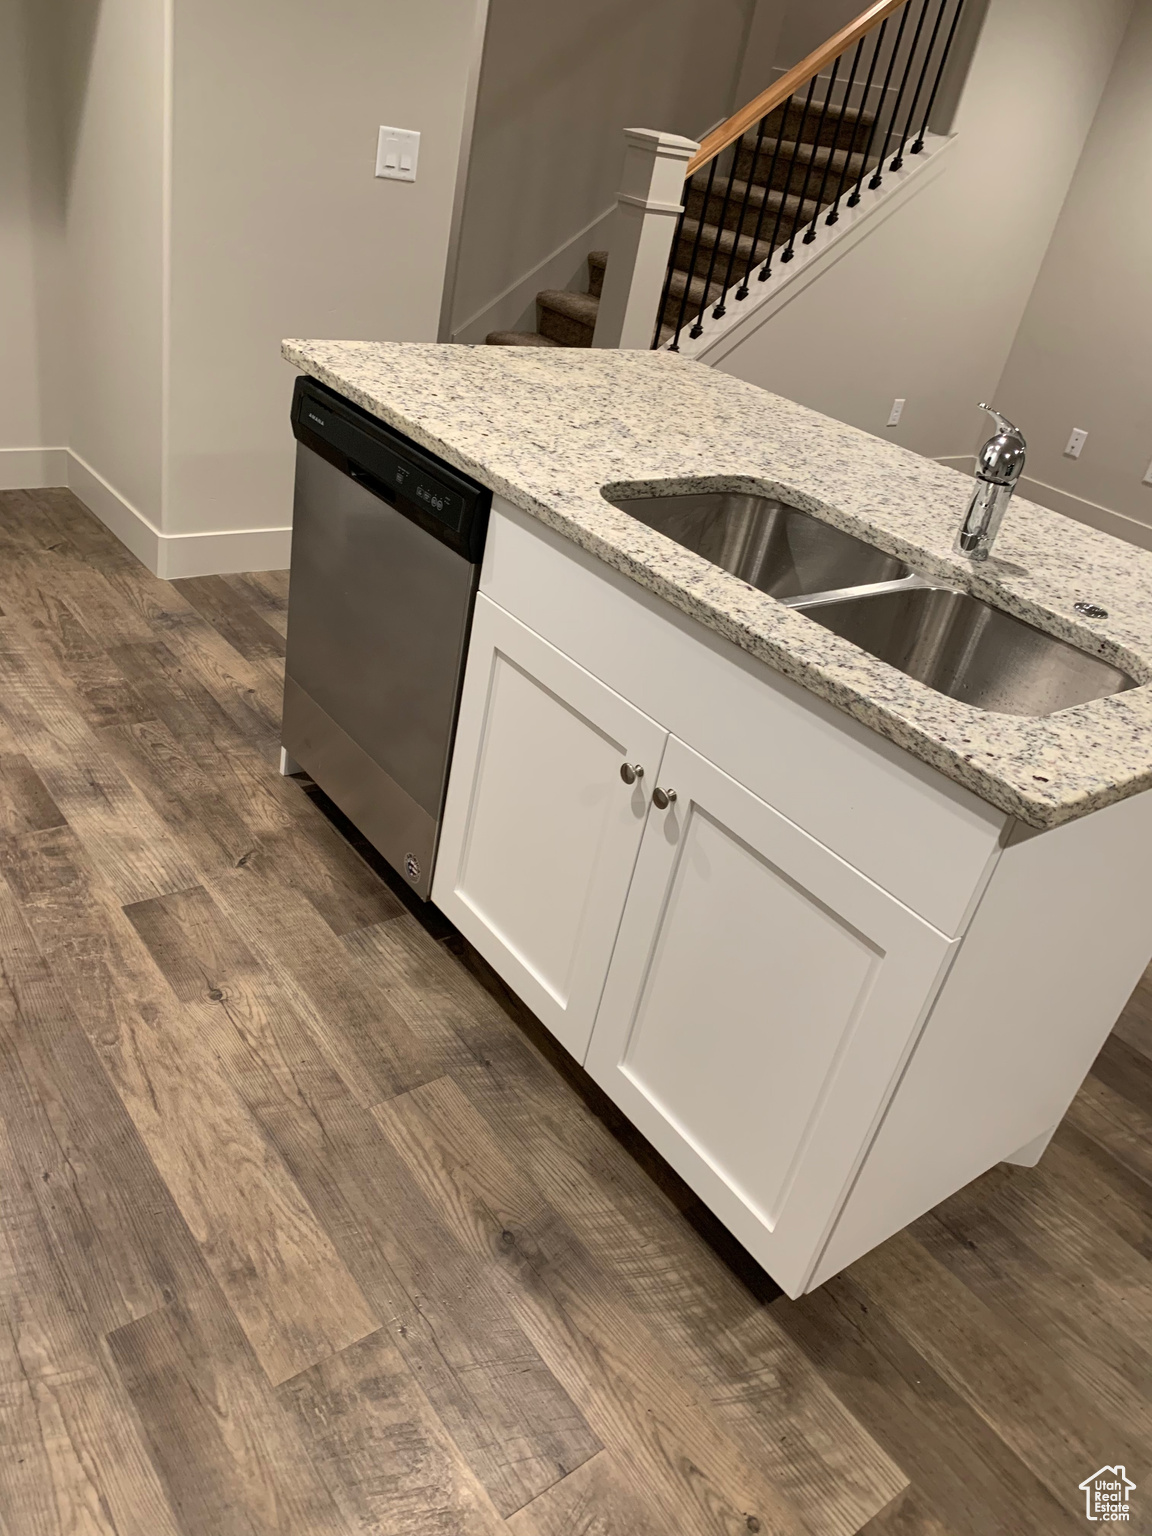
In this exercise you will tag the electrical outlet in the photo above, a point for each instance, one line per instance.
(1148, 476)
(896, 412)
(1076, 443)
(397, 151)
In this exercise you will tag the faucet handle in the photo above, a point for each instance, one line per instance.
(1001, 460)
(1003, 425)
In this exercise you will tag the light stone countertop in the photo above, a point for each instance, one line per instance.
(548, 428)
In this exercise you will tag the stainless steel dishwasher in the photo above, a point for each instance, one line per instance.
(386, 547)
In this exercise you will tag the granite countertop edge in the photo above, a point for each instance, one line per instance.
(943, 733)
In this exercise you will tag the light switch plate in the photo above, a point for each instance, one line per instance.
(397, 154)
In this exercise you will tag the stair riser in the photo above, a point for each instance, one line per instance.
(518, 339)
(766, 177)
(563, 329)
(790, 170)
(695, 205)
(695, 300)
(716, 210)
(683, 255)
(836, 131)
(712, 210)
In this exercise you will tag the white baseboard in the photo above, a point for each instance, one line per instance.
(964, 462)
(32, 469)
(219, 554)
(129, 525)
(515, 308)
(173, 555)
(1118, 524)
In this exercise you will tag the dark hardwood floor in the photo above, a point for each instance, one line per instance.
(306, 1226)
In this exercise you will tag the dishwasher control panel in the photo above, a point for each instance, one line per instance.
(449, 505)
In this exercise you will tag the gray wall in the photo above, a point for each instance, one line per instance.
(111, 121)
(1083, 355)
(182, 184)
(31, 240)
(279, 226)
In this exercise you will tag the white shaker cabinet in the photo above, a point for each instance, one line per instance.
(540, 830)
(752, 994)
(828, 985)
(761, 998)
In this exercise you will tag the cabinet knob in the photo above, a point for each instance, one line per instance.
(630, 772)
(663, 798)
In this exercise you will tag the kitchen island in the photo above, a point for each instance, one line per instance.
(836, 942)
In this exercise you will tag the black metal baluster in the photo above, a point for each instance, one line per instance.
(767, 268)
(899, 160)
(878, 173)
(919, 144)
(676, 238)
(742, 291)
(810, 234)
(720, 309)
(904, 82)
(675, 347)
(786, 255)
(835, 213)
(855, 198)
(799, 214)
(698, 323)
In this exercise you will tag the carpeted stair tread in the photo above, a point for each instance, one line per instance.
(577, 306)
(518, 339)
(796, 162)
(838, 128)
(713, 235)
(569, 318)
(695, 295)
(563, 319)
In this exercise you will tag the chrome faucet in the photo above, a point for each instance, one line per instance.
(1000, 466)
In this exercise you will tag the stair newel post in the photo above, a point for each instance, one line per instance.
(648, 207)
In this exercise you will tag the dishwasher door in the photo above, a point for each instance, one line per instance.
(379, 612)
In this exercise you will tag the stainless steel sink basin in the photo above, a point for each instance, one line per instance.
(772, 546)
(970, 651)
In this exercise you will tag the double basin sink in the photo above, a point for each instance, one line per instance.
(947, 639)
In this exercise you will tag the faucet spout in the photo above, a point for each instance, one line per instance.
(998, 469)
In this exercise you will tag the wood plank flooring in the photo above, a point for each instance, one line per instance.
(308, 1229)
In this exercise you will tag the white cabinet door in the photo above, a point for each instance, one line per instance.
(540, 831)
(761, 999)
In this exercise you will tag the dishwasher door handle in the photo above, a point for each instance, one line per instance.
(372, 483)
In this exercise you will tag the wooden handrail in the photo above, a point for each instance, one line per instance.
(767, 101)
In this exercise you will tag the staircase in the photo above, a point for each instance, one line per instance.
(563, 319)
(796, 148)
(770, 181)
(763, 203)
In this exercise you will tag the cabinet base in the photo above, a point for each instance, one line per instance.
(1028, 1156)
